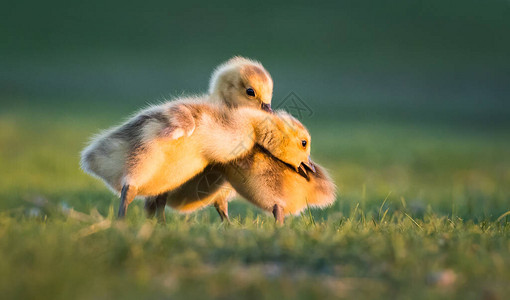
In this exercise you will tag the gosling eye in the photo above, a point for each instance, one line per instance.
(250, 92)
(303, 142)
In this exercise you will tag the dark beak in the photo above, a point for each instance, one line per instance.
(309, 165)
(305, 167)
(266, 107)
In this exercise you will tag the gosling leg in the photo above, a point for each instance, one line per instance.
(127, 194)
(150, 207)
(160, 208)
(222, 209)
(278, 214)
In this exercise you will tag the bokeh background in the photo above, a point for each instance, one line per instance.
(359, 60)
(408, 97)
(409, 110)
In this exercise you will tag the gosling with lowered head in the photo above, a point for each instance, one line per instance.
(263, 180)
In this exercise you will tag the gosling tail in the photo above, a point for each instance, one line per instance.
(104, 158)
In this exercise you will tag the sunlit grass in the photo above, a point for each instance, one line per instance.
(421, 214)
(91, 255)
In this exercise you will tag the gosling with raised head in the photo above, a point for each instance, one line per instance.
(241, 82)
(236, 83)
(164, 146)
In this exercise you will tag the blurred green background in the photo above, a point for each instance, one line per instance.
(408, 97)
(410, 113)
(418, 61)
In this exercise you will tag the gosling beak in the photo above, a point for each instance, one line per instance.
(266, 107)
(309, 165)
(304, 167)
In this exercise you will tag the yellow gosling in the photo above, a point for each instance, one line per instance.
(236, 83)
(263, 180)
(163, 146)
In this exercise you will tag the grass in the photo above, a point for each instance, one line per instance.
(422, 214)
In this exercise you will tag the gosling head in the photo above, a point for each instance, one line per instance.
(291, 144)
(242, 82)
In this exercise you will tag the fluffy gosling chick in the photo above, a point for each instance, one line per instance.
(238, 82)
(164, 146)
(265, 181)
(241, 82)
(274, 187)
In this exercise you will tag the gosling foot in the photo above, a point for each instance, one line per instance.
(127, 194)
(160, 208)
(222, 209)
(278, 214)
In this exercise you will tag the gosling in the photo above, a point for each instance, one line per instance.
(164, 146)
(264, 181)
(274, 187)
(239, 82)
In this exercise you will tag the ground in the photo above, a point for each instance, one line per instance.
(420, 214)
